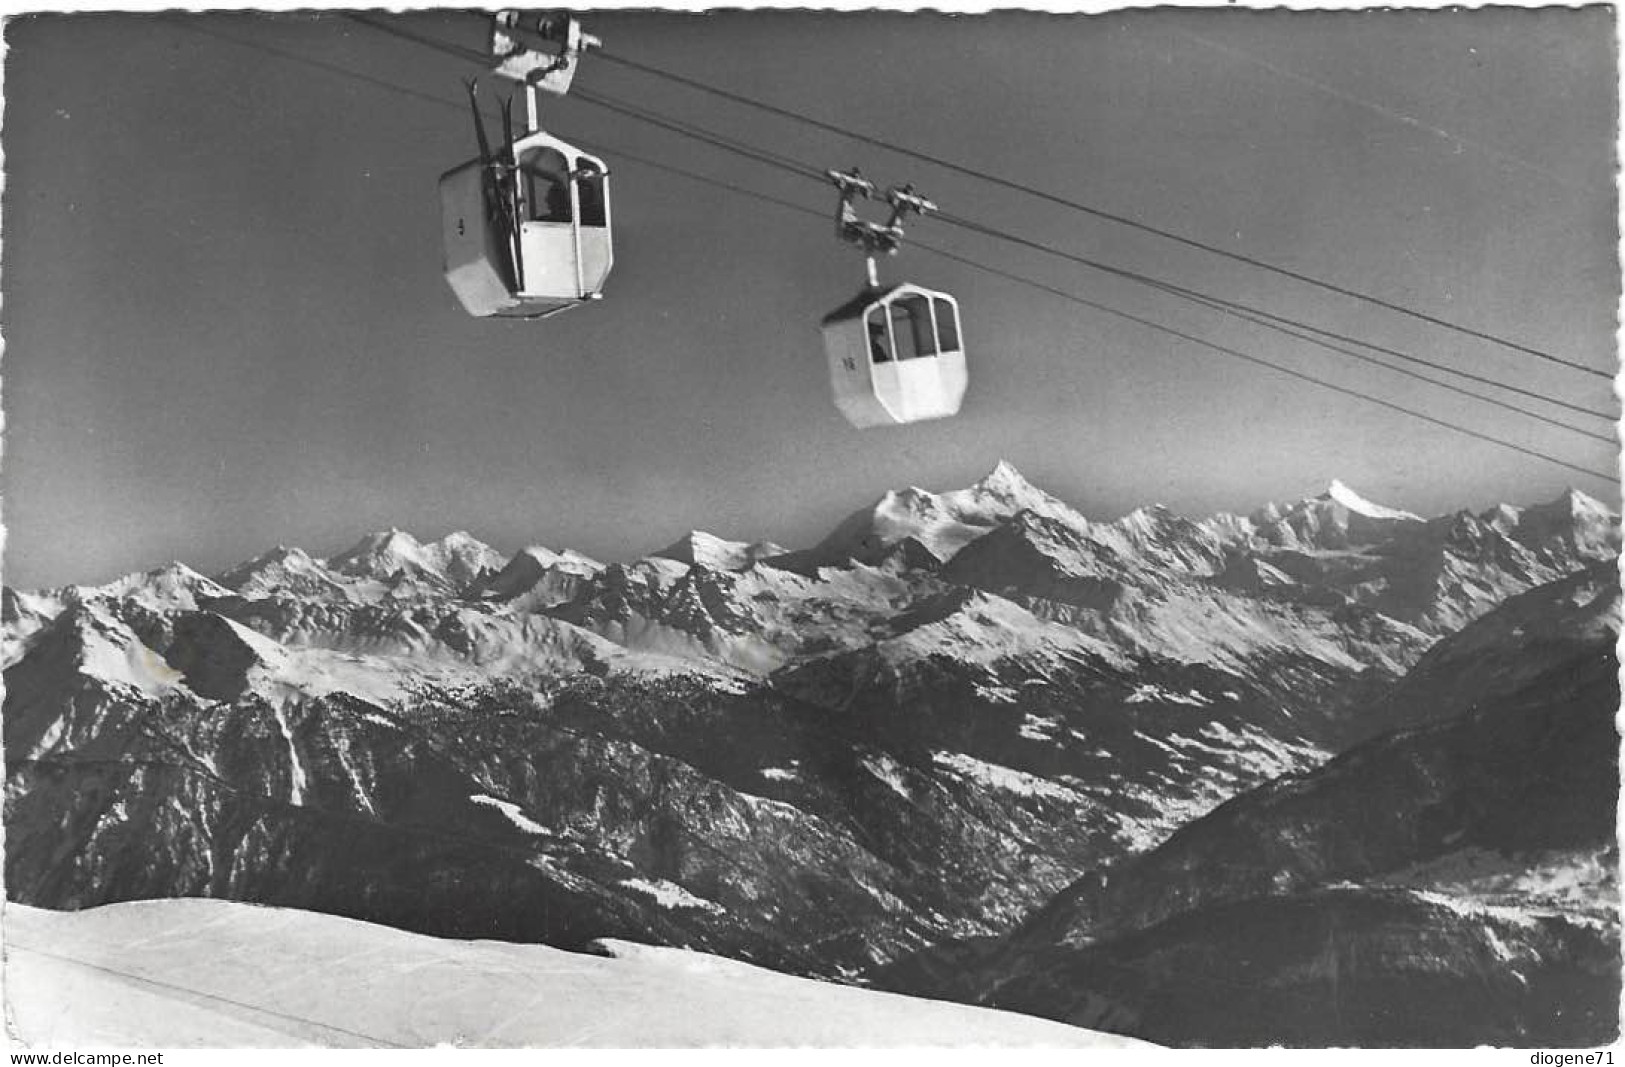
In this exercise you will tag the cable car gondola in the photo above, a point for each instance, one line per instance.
(527, 227)
(896, 354)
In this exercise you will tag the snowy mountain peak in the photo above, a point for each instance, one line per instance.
(98, 644)
(1005, 479)
(461, 545)
(941, 523)
(568, 559)
(463, 558)
(1337, 519)
(1340, 493)
(216, 656)
(698, 548)
(389, 555)
(393, 539)
(177, 576)
(172, 585)
(280, 558)
(286, 571)
(1573, 519)
(384, 551)
(1146, 517)
(910, 501)
(537, 577)
(284, 554)
(1580, 505)
(1004, 491)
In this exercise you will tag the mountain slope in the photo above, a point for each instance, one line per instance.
(514, 776)
(1468, 862)
(939, 523)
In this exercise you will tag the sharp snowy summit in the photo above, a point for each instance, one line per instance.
(1342, 495)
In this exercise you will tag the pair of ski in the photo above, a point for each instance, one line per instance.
(500, 187)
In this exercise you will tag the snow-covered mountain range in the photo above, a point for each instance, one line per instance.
(827, 760)
(1468, 862)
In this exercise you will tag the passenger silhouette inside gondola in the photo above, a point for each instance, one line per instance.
(547, 185)
(879, 344)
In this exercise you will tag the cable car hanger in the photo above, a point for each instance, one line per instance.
(895, 354)
(526, 228)
(873, 237)
(550, 68)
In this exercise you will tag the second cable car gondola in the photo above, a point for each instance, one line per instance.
(896, 354)
(526, 226)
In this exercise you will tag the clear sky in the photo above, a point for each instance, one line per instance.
(226, 327)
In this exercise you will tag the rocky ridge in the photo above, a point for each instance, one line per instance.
(1466, 861)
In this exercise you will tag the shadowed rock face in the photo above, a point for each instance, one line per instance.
(1453, 883)
(913, 738)
(1340, 967)
(929, 800)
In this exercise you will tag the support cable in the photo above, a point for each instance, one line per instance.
(794, 167)
(1100, 213)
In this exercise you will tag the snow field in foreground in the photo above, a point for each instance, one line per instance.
(210, 973)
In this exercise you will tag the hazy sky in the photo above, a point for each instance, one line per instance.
(226, 327)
